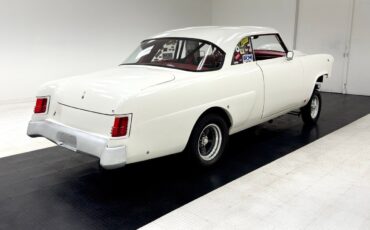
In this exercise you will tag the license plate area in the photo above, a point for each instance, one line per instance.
(67, 141)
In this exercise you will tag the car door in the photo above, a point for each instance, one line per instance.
(248, 84)
(282, 77)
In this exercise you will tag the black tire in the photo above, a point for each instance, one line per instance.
(208, 140)
(311, 111)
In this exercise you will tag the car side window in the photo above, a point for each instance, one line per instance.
(267, 47)
(243, 52)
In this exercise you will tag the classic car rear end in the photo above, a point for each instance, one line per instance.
(84, 131)
(86, 114)
(183, 90)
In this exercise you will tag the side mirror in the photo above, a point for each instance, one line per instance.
(289, 55)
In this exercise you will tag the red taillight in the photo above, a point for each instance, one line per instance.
(120, 127)
(41, 105)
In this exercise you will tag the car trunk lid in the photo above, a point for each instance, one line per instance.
(103, 92)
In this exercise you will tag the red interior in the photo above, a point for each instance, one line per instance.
(268, 54)
(192, 64)
(187, 66)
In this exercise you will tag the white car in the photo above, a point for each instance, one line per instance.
(181, 90)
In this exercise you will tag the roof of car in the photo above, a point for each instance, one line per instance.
(224, 37)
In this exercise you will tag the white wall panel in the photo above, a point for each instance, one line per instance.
(324, 27)
(42, 40)
(279, 14)
(358, 78)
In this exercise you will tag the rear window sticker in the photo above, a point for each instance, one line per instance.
(243, 52)
(167, 56)
(248, 49)
(247, 58)
(244, 41)
(237, 57)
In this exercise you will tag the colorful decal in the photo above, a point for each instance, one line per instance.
(243, 52)
(248, 49)
(167, 56)
(247, 58)
(244, 41)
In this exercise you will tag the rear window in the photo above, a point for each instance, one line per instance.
(178, 53)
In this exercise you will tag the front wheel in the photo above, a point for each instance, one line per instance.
(208, 139)
(311, 111)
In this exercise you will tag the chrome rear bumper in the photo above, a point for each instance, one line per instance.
(78, 140)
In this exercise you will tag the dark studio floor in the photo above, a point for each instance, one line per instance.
(55, 188)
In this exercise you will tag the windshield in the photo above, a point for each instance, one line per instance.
(179, 53)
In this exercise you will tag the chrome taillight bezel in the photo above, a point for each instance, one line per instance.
(128, 126)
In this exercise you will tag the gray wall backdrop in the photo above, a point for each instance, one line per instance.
(42, 40)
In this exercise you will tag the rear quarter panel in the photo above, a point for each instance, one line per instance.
(164, 116)
(315, 66)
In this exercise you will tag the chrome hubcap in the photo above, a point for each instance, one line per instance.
(315, 107)
(205, 140)
(209, 142)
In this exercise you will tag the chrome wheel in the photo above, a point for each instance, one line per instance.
(209, 142)
(315, 106)
(311, 111)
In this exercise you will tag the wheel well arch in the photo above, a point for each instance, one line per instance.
(213, 110)
(320, 80)
(219, 111)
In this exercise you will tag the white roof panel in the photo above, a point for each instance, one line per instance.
(224, 37)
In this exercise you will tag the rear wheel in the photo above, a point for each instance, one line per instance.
(208, 140)
(311, 111)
